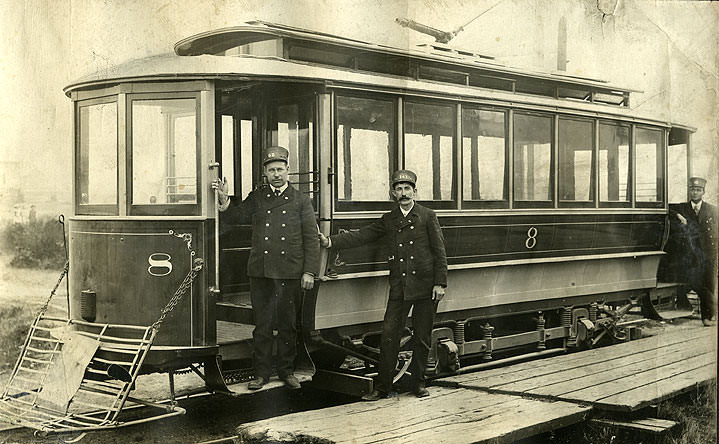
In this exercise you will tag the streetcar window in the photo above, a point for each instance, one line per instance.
(164, 152)
(533, 159)
(97, 159)
(428, 148)
(292, 127)
(365, 144)
(227, 161)
(677, 158)
(613, 163)
(648, 151)
(483, 155)
(576, 160)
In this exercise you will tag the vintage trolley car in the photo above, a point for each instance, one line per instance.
(552, 194)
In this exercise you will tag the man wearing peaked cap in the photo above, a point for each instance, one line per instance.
(417, 278)
(699, 220)
(284, 259)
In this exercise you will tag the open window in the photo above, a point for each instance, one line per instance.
(533, 161)
(649, 170)
(576, 162)
(614, 165)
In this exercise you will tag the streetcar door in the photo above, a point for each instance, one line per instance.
(246, 123)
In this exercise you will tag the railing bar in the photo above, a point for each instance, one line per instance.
(107, 361)
(105, 338)
(37, 361)
(36, 338)
(37, 350)
(96, 406)
(104, 384)
(31, 370)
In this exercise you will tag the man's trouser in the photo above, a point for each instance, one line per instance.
(273, 303)
(394, 322)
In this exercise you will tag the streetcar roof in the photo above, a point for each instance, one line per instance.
(441, 58)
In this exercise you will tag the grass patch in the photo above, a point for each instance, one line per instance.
(12, 334)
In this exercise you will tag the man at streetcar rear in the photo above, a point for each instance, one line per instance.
(284, 259)
(417, 278)
(699, 219)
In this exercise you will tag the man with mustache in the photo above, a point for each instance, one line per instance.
(417, 278)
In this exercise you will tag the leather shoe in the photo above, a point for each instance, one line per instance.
(291, 382)
(709, 322)
(374, 395)
(257, 383)
(421, 392)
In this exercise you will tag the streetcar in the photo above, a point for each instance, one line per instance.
(552, 194)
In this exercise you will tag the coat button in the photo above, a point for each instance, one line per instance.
(404, 274)
(411, 242)
(284, 225)
(411, 257)
(267, 238)
(269, 211)
(282, 252)
(282, 238)
(400, 245)
(411, 227)
(266, 251)
(401, 260)
(267, 224)
(286, 197)
(284, 212)
(399, 231)
(414, 272)
(268, 195)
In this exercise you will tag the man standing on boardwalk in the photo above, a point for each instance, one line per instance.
(417, 278)
(283, 260)
(700, 221)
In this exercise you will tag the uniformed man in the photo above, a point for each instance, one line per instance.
(283, 260)
(699, 218)
(417, 278)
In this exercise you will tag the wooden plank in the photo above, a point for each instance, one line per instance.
(642, 379)
(572, 380)
(649, 425)
(641, 397)
(455, 416)
(533, 369)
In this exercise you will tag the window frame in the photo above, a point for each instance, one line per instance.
(563, 203)
(537, 204)
(97, 209)
(488, 204)
(184, 209)
(661, 155)
(373, 205)
(629, 203)
(453, 202)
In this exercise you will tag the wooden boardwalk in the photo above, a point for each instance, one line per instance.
(623, 377)
(506, 404)
(452, 416)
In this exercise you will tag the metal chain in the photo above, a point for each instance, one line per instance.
(197, 265)
(65, 270)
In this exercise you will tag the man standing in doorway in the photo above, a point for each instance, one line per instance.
(417, 278)
(700, 221)
(283, 260)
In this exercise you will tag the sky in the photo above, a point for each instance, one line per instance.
(667, 49)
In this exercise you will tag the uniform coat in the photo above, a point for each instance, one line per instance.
(701, 231)
(417, 262)
(284, 233)
(284, 246)
(417, 259)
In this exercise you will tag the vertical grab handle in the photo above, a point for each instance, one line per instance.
(216, 288)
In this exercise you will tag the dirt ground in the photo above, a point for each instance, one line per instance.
(208, 417)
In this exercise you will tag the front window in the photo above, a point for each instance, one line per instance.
(164, 153)
(428, 145)
(97, 159)
(532, 160)
(576, 160)
(365, 149)
(648, 151)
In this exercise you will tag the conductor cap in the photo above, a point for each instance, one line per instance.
(697, 182)
(274, 153)
(400, 176)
